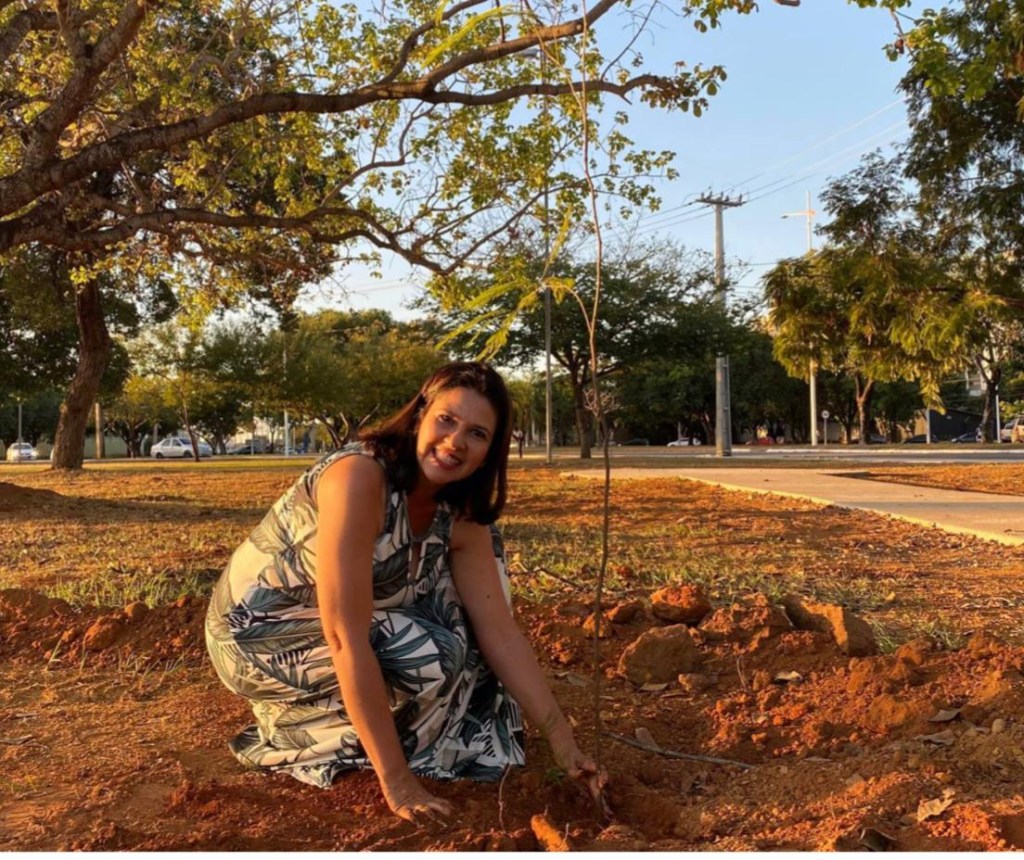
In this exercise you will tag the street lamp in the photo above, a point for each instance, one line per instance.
(808, 213)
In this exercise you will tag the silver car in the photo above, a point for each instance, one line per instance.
(180, 447)
(18, 451)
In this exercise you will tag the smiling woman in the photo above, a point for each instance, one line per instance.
(367, 618)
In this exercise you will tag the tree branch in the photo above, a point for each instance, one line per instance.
(23, 23)
(89, 67)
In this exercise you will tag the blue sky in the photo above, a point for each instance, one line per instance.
(809, 91)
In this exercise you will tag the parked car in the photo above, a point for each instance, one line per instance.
(180, 447)
(682, 443)
(18, 451)
(1013, 430)
(246, 448)
(637, 442)
(973, 436)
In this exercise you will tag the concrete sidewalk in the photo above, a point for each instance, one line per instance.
(985, 515)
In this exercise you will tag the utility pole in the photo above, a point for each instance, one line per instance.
(723, 412)
(812, 371)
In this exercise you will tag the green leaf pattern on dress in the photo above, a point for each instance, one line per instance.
(454, 719)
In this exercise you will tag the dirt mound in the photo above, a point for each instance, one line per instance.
(778, 740)
(15, 498)
(33, 626)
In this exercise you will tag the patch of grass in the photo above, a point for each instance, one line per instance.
(887, 639)
(117, 587)
(943, 633)
(857, 595)
(20, 787)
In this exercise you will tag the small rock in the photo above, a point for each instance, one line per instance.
(501, 842)
(887, 712)
(619, 837)
(681, 604)
(853, 635)
(574, 607)
(660, 656)
(914, 652)
(696, 682)
(590, 627)
(998, 726)
(136, 611)
(997, 684)
(755, 620)
(624, 612)
(525, 840)
(761, 680)
(103, 633)
(983, 645)
(901, 675)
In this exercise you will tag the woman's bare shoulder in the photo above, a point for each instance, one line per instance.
(355, 475)
(467, 534)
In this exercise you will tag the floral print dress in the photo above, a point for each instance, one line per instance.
(264, 636)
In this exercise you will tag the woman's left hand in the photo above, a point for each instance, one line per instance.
(580, 766)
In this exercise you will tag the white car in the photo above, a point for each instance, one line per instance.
(682, 443)
(178, 446)
(18, 451)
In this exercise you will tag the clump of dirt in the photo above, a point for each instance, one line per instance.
(36, 626)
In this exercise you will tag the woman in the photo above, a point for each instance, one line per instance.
(367, 618)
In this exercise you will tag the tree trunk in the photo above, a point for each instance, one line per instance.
(581, 415)
(865, 390)
(988, 431)
(191, 431)
(93, 354)
(339, 437)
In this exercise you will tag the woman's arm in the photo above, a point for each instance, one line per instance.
(350, 499)
(507, 651)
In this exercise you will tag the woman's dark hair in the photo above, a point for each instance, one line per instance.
(481, 496)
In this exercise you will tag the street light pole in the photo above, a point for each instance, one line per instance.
(812, 371)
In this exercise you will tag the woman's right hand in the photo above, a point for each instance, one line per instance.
(408, 799)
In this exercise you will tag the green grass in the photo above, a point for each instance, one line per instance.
(943, 633)
(118, 587)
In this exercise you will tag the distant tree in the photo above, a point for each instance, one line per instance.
(896, 406)
(656, 303)
(762, 394)
(344, 370)
(39, 412)
(138, 410)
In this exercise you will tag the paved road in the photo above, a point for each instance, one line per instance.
(986, 515)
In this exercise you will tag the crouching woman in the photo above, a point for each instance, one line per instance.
(367, 617)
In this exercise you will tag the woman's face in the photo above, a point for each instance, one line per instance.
(455, 433)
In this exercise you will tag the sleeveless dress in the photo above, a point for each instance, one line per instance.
(264, 636)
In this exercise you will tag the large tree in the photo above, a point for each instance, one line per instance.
(965, 91)
(269, 141)
(873, 303)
